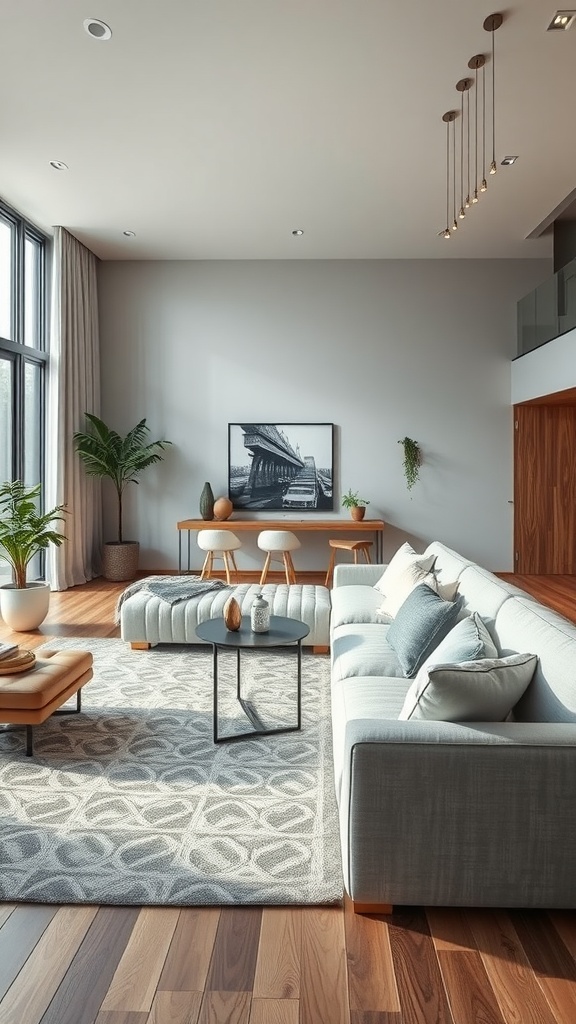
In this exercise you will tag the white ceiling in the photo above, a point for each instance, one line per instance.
(213, 128)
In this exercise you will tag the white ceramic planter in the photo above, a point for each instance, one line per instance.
(26, 609)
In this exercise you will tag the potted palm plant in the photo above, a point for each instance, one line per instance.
(121, 459)
(25, 531)
(356, 505)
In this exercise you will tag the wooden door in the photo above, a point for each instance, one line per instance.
(545, 488)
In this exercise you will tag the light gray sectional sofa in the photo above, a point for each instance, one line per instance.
(454, 813)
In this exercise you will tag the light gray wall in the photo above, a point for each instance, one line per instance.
(383, 349)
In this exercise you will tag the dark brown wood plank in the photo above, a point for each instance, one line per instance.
(371, 979)
(449, 929)
(420, 988)
(18, 936)
(470, 994)
(518, 993)
(80, 995)
(554, 967)
(235, 950)
(564, 922)
(188, 960)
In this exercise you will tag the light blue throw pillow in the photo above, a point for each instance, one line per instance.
(420, 624)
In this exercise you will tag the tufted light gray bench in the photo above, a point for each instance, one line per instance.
(146, 619)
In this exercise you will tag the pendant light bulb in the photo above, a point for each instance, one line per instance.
(493, 167)
(475, 196)
(447, 233)
(484, 185)
(462, 213)
(467, 203)
(455, 225)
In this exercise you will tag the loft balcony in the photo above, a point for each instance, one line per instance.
(549, 311)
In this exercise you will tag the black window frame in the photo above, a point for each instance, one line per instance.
(15, 348)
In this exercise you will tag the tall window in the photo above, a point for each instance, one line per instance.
(23, 350)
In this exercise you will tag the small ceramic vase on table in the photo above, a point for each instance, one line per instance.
(207, 502)
(260, 615)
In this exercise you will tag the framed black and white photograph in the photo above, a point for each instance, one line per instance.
(281, 466)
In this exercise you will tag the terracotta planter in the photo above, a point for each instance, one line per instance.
(26, 609)
(358, 512)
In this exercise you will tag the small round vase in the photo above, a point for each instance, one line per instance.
(358, 512)
(232, 614)
(207, 502)
(222, 508)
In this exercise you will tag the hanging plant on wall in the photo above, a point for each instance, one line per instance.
(412, 461)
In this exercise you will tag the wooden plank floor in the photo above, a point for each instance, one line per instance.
(278, 965)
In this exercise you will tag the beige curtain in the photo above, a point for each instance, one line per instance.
(73, 389)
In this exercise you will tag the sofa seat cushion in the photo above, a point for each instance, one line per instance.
(363, 650)
(362, 697)
(355, 603)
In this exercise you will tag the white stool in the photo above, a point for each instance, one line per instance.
(218, 544)
(278, 543)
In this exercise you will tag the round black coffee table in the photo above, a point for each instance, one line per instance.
(283, 632)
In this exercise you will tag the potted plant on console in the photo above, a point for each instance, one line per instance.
(121, 459)
(356, 505)
(25, 531)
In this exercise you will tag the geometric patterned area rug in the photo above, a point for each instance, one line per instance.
(131, 802)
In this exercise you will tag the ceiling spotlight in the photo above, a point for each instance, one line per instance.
(562, 21)
(298, 231)
(129, 234)
(97, 29)
(509, 160)
(58, 165)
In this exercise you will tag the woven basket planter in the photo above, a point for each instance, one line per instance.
(120, 561)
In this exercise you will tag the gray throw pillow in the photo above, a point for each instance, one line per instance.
(475, 691)
(420, 624)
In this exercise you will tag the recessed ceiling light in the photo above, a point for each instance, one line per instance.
(58, 165)
(561, 21)
(298, 231)
(97, 29)
(508, 161)
(129, 234)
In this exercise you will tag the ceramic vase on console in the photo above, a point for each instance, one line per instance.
(260, 615)
(207, 502)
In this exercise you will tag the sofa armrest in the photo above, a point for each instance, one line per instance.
(346, 574)
(438, 813)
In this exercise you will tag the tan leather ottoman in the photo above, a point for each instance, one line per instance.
(29, 698)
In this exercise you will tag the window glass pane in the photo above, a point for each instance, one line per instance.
(6, 437)
(6, 399)
(31, 292)
(32, 442)
(6, 312)
(32, 423)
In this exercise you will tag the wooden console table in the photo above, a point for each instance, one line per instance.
(374, 526)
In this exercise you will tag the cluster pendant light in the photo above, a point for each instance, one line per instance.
(470, 156)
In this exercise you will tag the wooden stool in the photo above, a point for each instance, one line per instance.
(278, 544)
(347, 545)
(218, 544)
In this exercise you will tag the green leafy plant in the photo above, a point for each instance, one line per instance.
(351, 500)
(121, 459)
(24, 530)
(412, 461)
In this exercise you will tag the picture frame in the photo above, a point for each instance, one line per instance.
(281, 467)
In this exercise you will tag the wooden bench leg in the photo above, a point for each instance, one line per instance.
(265, 569)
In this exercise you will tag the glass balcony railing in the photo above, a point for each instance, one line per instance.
(548, 311)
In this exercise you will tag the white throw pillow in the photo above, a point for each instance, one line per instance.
(472, 691)
(401, 585)
(404, 557)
